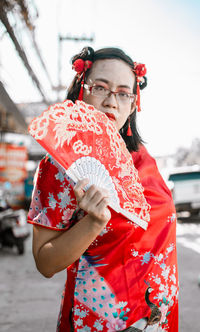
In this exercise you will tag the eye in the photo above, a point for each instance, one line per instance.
(99, 88)
(123, 94)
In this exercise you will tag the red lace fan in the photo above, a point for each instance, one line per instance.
(87, 144)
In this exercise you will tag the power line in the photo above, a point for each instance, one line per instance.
(21, 53)
(68, 38)
(77, 39)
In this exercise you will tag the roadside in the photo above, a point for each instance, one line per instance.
(28, 301)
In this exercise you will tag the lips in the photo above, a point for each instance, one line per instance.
(110, 116)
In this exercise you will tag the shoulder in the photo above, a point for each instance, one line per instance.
(149, 173)
(53, 200)
(142, 157)
(49, 172)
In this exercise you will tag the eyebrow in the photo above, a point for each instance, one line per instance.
(106, 81)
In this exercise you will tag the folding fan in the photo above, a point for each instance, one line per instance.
(87, 145)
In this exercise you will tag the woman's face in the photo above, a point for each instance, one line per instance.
(117, 76)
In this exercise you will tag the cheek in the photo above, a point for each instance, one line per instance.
(89, 99)
(86, 97)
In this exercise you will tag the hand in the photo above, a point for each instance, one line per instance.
(94, 201)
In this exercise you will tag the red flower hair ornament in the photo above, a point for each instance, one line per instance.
(81, 66)
(140, 71)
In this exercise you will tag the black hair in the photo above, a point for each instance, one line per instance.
(87, 53)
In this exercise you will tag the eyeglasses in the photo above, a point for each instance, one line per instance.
(100, 91)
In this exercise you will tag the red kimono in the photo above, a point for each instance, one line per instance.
(127, 276)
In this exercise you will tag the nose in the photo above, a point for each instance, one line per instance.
(110, 101)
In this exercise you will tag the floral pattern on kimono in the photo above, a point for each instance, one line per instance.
(127, 276)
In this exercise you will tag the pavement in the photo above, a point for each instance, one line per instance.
(30, 302)
(188, 246)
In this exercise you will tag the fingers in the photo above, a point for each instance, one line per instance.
(92, 197)
(103, 203)
(79, 189)
(95, 194)
(94, 201)
(102, 211)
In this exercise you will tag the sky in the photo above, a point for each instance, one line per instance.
(165, 35)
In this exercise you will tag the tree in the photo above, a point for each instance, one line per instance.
(188, 156)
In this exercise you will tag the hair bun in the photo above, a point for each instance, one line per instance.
(143, 83)
(87, 53)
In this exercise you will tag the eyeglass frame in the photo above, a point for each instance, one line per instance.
(88, 87)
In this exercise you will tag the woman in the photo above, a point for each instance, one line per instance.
(119, 277)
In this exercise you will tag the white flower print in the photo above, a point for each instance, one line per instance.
(67, 214)
(159, 257)
(157, 280)
(162, 287)
(164, 291)
(172, 218)
(79, 322)
(52, 201)
(173, 290)
(83, 313)
(134, 252)
(121, 305)
(98, 325)
(76, 311)
(117, 326)
(165, 273)
(146, 257)
(60, 176)
(64, 198)
(165, 282)
(170, 248)
(164, 309)
(105, 230)
(173, 278)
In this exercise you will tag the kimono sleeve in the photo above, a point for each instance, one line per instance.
(53, 200)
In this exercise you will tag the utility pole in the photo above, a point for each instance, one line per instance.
(60, 40)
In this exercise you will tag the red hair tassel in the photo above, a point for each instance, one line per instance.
(129, 131)
(80, 96)
(81, 67)
(138, 96)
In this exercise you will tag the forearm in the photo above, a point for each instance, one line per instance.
(58, 253)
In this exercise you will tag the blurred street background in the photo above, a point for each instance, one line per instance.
(37, 42)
